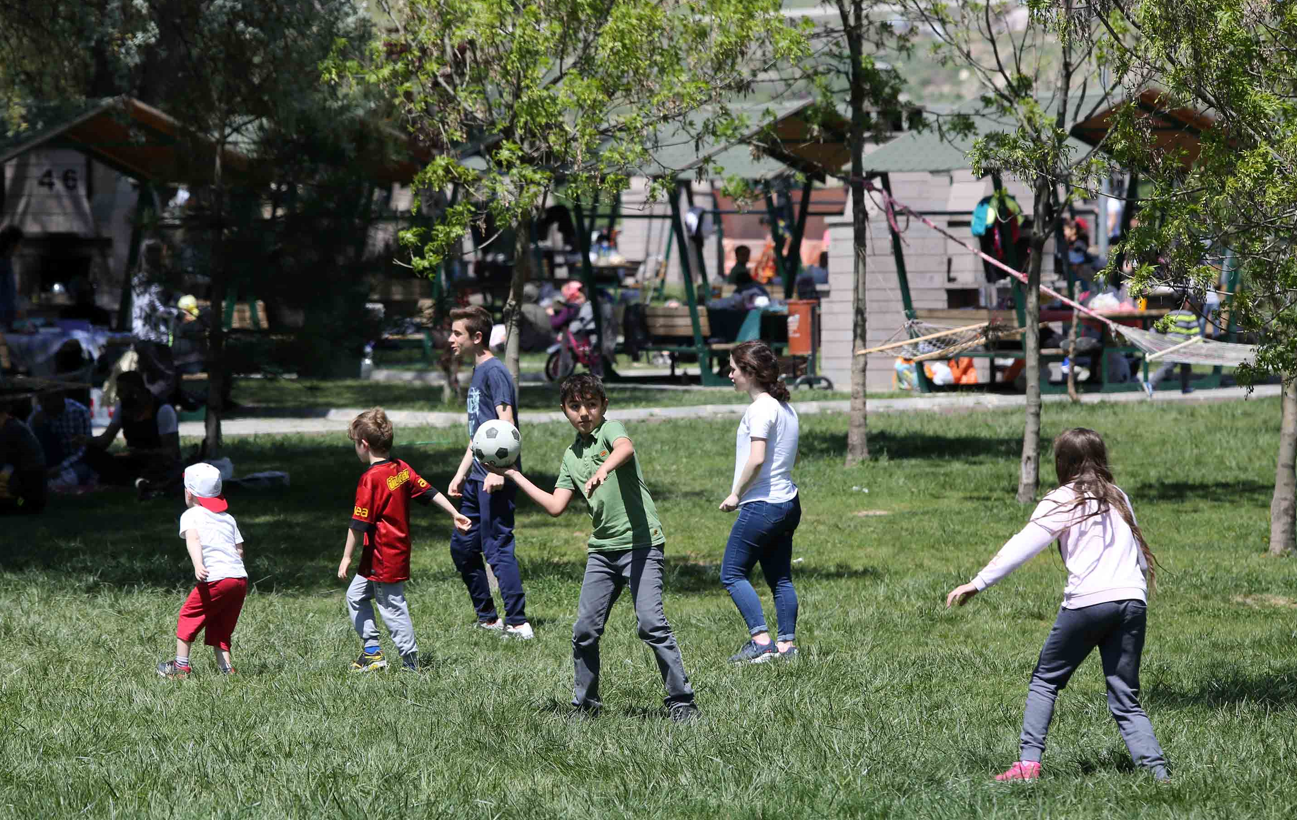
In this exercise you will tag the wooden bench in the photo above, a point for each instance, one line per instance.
(671, 329)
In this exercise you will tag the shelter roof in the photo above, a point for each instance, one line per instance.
(1173, 128)
(123, 133)
(678, 152)
(931, 151)
(147, 144)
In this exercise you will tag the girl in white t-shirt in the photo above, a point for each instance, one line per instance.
(768, 503)
(1110, 568)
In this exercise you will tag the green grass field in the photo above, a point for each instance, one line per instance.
(896, 709)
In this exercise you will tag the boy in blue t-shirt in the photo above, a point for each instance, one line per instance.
(488, 501)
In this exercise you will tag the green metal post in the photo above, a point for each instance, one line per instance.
(1010, 256)
(721, 273)
(799, 233)
(773, 215)
(708, 378)
(143, 206)
(903, 280)
(587, 270)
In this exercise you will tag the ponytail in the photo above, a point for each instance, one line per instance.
(759, 362)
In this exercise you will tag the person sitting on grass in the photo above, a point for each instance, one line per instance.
(63, 427)
(1110, 569)
(382, 514)
(22, 465)
(1183, 325)
(625, 548)
(151, 461)
(216, 548)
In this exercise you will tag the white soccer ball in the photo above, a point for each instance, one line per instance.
(497, 443)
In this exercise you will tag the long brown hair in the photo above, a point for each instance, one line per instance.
(1081, 460)
(758, 362)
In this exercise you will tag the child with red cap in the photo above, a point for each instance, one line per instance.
(216, 548)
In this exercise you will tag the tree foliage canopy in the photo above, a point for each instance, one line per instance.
(575, 93)
(1235, 61)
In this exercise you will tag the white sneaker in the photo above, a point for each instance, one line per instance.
(522, 632)
(494, 626)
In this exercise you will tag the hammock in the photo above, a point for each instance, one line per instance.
(1163, 348)
(1157, 346)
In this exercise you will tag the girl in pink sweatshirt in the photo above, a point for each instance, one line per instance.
(1110, 569)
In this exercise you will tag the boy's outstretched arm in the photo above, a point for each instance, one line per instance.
(553, 503)
(462, 522)
(622, 451)
(346, 554)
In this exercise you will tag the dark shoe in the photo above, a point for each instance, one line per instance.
(753, 652)
(170, 671)
(789, 653)
(368, 663)
(1186, 391)
(585, 712)
(410, 662)
(684, 712)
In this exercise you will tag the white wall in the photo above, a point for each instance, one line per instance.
(934, 267)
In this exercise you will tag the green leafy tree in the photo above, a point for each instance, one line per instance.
(1036, 81)
(557, 94)
(241, 75)
(1237, 198)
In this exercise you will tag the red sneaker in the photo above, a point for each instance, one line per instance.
(1022, 770)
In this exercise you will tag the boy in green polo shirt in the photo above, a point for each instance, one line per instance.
(625, 546)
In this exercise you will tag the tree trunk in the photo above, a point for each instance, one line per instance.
(1283, 507)
(1029, 471)
(858, 420)
(522, 260)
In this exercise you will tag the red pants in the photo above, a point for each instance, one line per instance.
(216, 607)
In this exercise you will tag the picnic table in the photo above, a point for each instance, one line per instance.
(1011, 349)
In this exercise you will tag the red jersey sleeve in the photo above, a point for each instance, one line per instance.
(419, 488)
(363, 514)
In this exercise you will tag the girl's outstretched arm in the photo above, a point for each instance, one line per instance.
(1033, 538)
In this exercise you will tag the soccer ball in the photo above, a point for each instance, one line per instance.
(496, 443)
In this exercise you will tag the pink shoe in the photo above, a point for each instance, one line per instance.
(1022, 770)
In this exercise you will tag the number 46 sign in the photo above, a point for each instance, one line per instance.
(69, 179)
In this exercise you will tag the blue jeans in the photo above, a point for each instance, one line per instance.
(763, 534)
(491, 535)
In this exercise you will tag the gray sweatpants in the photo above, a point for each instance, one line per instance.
(606, 574)
(391, 603)
(1117, 629)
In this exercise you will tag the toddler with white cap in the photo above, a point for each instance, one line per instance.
(216, 548)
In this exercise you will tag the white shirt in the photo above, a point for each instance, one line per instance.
(777, 423)
(218, 534)
(1103, 559)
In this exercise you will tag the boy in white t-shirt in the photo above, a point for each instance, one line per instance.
(216, 548)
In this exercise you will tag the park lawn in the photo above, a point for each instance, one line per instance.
(277, 395)
(896, 709)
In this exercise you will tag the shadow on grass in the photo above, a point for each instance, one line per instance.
(1271, 688)
(1225, 492)
(681, 576)
(904, 446)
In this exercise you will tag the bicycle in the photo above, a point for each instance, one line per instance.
(567, 353)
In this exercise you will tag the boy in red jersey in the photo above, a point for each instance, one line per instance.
(382, 513)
